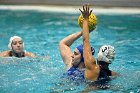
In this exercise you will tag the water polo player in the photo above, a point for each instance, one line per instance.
(96, 70)
(74, 61)
(16, 46)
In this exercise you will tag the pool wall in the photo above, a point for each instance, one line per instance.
(107, 3)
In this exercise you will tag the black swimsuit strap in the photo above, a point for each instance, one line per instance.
(11, 53)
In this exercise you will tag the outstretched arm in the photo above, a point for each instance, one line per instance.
(29, 54)
(88, 58)
(64, 47)
(4, 54)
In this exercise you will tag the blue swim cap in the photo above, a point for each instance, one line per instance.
(80, 48)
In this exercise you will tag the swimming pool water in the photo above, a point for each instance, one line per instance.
(42, 32)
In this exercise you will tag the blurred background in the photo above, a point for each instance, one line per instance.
(106, 3)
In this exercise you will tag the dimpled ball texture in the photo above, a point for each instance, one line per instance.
(92, 21)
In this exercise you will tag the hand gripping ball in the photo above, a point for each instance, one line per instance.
(91, 20)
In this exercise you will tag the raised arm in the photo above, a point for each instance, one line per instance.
(88, 58)
(64, 46)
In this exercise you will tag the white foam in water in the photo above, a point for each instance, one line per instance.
(72, 9)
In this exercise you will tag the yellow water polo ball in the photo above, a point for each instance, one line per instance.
(92, 21)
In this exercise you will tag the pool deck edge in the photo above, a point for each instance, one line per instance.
(71, 9)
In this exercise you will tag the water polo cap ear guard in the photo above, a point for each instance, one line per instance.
(80, 48)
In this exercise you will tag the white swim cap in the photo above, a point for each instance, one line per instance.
(106, 53)
(11, 40)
